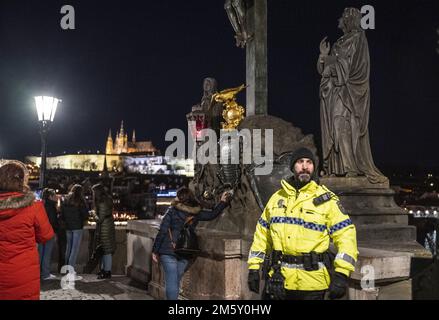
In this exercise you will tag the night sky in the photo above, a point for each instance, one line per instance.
(144, 61)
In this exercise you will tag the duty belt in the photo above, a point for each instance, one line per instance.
(310, 261)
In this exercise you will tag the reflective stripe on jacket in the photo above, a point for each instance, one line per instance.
(293, 224)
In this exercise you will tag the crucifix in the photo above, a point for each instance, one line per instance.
(249, 20)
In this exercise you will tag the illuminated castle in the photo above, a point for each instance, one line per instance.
(120, 155)
(121, 145)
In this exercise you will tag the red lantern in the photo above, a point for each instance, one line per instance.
(198, 118)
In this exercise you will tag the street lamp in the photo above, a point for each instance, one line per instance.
(46, 109)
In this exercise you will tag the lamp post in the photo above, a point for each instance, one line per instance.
(46, 109)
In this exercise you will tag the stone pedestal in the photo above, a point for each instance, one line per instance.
(379, 221)
(387, 243)
(140, 238)
(217, 274)
(220, 272)
(389, 272)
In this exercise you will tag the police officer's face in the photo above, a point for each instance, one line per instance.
(303, 169)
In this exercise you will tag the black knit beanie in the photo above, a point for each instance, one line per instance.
(301, 153)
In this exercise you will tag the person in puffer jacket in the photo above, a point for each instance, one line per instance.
(184, 206)
(23, 224)
(105, 229)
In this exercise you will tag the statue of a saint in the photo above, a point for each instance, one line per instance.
(345, 102)
(236, 11)
(209, 89)
(213, 109)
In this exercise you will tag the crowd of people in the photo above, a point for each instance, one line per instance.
(29, 229)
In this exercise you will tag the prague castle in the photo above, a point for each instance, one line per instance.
(121, 155)
(121, 145)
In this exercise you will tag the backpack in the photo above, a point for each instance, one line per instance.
(187, 241)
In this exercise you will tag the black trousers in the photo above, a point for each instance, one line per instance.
(61, 239)
(304, 295)
(298, 295)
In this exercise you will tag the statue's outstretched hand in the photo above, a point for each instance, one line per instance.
(325, 47)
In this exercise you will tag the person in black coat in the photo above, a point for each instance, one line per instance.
(105, 230)
(45, 250)
(74, 212)
(183, 207)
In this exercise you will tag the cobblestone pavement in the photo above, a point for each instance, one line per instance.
(89, 288)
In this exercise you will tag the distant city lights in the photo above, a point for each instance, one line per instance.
(428, 213)
(164, 203)
(167, 194)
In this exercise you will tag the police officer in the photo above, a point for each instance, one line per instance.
(295, 229)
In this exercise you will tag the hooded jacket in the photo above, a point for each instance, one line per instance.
(23, 224)
(175, 219)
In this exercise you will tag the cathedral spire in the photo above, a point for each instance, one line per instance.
(121, 129)
(134, 137)
(109, 146)
(125, 143)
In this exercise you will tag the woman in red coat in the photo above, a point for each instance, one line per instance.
(23, 224)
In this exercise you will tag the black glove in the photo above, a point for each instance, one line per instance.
(338, 286)
(253, 280)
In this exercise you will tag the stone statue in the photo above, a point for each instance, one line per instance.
(236, 11)
(207, 106)
(345, 102)
(206, 114)
(212, 108)
(210, 87)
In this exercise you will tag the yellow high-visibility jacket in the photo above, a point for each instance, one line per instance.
(293, 224)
